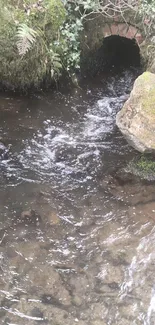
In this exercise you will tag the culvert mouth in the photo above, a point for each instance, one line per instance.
(118, 52)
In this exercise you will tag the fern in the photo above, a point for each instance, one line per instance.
(26, 38)
(56, 64)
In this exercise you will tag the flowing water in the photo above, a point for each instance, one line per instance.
(77, 240)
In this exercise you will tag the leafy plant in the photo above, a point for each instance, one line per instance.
(147, 12)
(70, 45)
(26, 38)
(56, 63)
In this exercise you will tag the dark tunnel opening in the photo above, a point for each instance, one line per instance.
(117, 52)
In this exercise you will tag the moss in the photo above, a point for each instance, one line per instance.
(17, 72)
(144, 167)
(33, 69)
(149, 102)
(146, 76)
(146, 92)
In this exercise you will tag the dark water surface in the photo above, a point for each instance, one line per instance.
(77, 243)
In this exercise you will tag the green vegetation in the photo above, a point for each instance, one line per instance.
(41, 39)
(27, 35)
(144, 167)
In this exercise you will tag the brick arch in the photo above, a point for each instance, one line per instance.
(124, 30)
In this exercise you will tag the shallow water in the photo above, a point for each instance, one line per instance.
(77, 242)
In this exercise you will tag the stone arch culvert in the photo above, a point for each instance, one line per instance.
(114, 44)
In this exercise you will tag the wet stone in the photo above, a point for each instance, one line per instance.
(77, 301)
(26, 252)
(124, 321)
(110, 275)
(30, 216)
(128, 188)
(29, 310)
(130, 311)
(47, 282)
(37, 313)
(98, 322)
(2, 313)
(7, 321)
(98, 311)
(53, 218)
(143, 211)
(60, 316)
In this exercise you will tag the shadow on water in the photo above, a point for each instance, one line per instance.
(76, 241)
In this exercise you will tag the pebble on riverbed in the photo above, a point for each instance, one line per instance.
(30, 216)
(53, 218)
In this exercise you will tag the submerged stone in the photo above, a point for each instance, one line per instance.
(136, 120)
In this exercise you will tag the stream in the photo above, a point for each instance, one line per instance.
(77, 237)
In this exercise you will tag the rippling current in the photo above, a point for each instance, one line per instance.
(77, 236)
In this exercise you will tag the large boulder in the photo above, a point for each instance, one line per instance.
(136, 120)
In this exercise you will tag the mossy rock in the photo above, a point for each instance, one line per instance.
(136, 120)
(32, 69)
